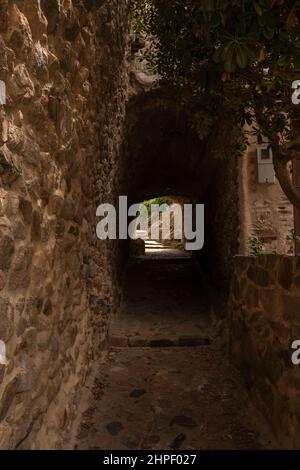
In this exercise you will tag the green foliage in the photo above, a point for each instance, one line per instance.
(255, 246)
(161, 201)
(140, 16)
(232, 58)
(293, 236)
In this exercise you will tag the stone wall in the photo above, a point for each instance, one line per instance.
(266, 213)
(263, 321)
(64, 66)
(222, 222)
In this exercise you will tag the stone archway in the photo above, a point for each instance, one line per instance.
(166, 156)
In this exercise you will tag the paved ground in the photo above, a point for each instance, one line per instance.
(166, 302)
(157, 250)
(169, 397)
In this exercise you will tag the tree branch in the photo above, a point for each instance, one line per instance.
(294, 144)
(282, 173)
(287, 155)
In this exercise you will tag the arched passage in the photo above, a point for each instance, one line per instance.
(165, 156)
(169, 298)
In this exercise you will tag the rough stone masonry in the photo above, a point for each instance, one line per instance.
(263, 321)
(64, 66)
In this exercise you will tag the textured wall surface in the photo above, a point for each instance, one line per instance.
(263, 322)
(266, 212)
(64, 66)
(222, 221)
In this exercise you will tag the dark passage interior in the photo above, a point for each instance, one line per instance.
(165, 156)
(167, 302)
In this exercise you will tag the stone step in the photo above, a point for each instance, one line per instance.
(138, 341)
(147, 260)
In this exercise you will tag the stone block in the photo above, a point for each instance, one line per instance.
(36, 226)
(297, 282)
(252, 297)
(26, 210)
(51, 9)
(19, 230)
(259, 276)
(291, 308)
(7, 249)
(6, 319)
(2, 280)
(285, 273)
(47, 308)
(19, 274)
(271, 302)
(8, 396)
(271, 262)
(272, 364)
(3, 15)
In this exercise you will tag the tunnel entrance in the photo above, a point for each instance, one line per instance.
(166, 157)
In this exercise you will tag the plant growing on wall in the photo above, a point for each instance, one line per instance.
(235, 59)
(293, 236)
(255, 246)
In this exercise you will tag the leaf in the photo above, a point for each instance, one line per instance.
(282, 61)
(258, 8)
(292, 19)
(216, 20)
(283, 36)
(296, 62)
(226, 49)
(251, 52)
(269, 33)
(262, 55)
(270, 20)
(241, 57)
(230, 65)
(223, 19)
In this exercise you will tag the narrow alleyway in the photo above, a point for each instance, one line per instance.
(164, 383)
